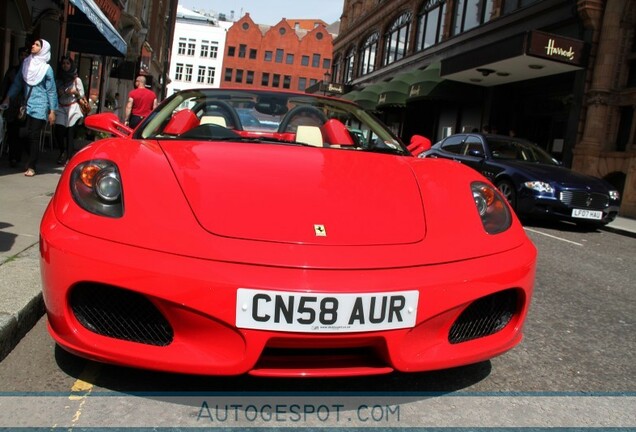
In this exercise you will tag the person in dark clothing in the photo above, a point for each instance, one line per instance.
(11, 114)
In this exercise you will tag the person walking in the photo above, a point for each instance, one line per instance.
(68, 115)
(141, 102)
(37, 82)
(11, 114)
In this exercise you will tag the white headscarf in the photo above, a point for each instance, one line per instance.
(35, 66)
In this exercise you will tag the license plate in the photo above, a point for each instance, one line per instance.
(325, 313)
(587, 214)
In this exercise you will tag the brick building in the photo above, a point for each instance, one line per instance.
(561, 73)
(277, 57)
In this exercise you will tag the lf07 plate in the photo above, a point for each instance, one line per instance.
(325, 313)
(587, 214)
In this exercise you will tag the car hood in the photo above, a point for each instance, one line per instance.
(302, 195)
(561, 175)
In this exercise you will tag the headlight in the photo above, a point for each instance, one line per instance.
(96, 187)
(539, 186)
(491, 207)
(614, 195)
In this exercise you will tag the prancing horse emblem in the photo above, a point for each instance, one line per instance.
(320, 231)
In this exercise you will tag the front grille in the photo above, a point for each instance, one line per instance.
(484, 317)
(120, 314)
(584, 200)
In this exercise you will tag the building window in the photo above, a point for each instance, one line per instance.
(211, 73)
(279, 55)
(512, 5)
(181, 50)
(249, 79)
(265, 79)
(242, 51)
(178, 73)
(469, 14)
(287, 81)
(201, 75)
(268, 56)
(276, 80)
(336, 69)
(289, 59)
(253, 53)
(302, 84)
(231, 51)
(315, 60)
(192, 44)
(214, 50)
(348, 66)
(326, 63)
(188, 73)
(304, 61)
(205, 49)
(228, 74)
(368, 53)
(239, 76)
(396, 40)
(430, 23)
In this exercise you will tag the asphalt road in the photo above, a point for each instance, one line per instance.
(575, 368)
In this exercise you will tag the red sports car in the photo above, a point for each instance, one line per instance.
(248, 231)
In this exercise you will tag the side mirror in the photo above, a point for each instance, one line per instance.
(108, 123)
(419, 144)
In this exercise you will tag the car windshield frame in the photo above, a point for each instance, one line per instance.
(259, 115)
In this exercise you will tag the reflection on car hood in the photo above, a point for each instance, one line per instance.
(294, 194)
(561, 175)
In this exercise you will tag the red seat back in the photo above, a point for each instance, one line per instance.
(334, 132)
(181, 122)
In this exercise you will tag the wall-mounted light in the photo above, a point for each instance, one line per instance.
(535, 66)
(475, 80)
(485, 71)
(503, 74)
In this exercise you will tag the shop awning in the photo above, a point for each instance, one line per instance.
(89, 31)
(397, 90)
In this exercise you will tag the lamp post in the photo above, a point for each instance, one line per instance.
(325, 83)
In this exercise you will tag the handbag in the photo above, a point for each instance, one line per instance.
(22, 110)
(84, 105)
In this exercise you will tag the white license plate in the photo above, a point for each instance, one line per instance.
(587, 214)
(325, 313)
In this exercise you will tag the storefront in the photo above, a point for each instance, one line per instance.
(92, 40)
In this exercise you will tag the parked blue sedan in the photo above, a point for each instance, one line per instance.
(532, 181)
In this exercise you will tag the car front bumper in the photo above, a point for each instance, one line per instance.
(197, 300)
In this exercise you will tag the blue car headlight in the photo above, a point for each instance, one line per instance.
(539, 186)
(494, 212)
(96, 187)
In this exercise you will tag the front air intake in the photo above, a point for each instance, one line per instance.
(120, 314)
(484, 317)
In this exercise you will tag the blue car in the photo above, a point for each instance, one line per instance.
(532, 181)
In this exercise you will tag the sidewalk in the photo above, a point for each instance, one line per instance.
(22, 203)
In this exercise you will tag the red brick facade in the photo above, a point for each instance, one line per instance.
(277, 57)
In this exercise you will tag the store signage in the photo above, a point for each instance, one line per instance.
(554, 47)
(335, 88)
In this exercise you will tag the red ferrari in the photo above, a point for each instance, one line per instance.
(282, 235)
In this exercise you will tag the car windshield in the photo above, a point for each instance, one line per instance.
(506, 149)
(268, 117)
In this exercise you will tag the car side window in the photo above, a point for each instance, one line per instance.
(454, 144)
(473, 147)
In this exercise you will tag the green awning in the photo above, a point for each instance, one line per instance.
(397, 90)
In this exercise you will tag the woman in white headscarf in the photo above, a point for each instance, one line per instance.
(37, 83)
